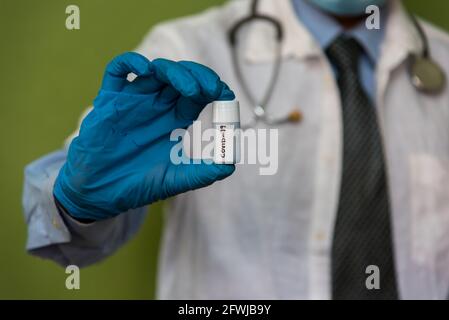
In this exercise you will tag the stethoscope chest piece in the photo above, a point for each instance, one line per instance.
(426, 75)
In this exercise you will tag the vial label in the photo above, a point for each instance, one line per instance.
(226, 144)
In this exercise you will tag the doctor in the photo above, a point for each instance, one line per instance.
(362, 180)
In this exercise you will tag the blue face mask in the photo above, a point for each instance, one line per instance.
(347, 7)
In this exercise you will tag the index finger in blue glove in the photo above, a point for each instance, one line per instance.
(212, 88)
(174, 74)
(226, 93)
(115, 76)
(210, 83)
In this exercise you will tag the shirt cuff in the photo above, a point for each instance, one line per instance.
(45, 225)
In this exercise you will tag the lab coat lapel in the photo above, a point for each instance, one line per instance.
(401, 39)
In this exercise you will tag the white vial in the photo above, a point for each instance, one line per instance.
(226, 122)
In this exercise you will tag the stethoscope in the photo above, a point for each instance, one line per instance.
(425, 74)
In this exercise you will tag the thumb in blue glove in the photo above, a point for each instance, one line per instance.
(121, 157)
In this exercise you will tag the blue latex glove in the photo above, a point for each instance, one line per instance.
(121, 158)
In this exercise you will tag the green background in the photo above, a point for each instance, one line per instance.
(48, 76)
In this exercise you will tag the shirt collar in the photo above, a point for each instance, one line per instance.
(371, 40)
(325, 29)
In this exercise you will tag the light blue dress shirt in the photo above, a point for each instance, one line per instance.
(326, 29)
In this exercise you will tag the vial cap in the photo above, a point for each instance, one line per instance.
(226, 111)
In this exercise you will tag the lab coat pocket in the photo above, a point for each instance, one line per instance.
(429, 182)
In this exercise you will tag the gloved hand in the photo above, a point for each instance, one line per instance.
(121, 158)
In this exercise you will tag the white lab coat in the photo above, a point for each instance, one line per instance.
(253, 236)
